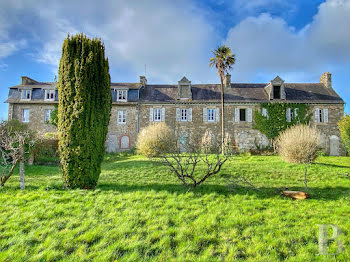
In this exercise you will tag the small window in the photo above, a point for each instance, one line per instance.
(121, 117)
(50, 95)
(25, 115)
(157, 114)
(26, 94)
(320, 116)
(277, 92)
(184, 114)
(47, 115)
(122, 95)
(242, 114)
(211, 115)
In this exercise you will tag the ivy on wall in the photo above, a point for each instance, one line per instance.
(276, 119)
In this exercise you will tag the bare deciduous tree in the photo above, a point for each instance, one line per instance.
(15, 146)
(201, 160)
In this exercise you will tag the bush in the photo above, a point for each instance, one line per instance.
(155, 139)
(46, 152)
(299, 144)
(344, 127)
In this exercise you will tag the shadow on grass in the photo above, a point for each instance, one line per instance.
(333, 165)
(263, 193)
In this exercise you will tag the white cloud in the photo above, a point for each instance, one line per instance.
(266, 44)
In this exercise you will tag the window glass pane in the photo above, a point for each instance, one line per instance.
(157, 114)
(183, 114)
(276, 92)
(211, 114)
(242, 114)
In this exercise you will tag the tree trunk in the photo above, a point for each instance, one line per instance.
(299, 195)
(222, 118)
(305, 174)
(21, 174)
(4, 179)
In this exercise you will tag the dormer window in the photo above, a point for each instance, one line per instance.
(277, 92)
(122, 95)
(50, 95)
(26, 94)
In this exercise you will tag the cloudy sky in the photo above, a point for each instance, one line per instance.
(297, 39)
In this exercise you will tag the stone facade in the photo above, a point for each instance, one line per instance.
(147, 104)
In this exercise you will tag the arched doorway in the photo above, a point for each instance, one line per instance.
(125, 142)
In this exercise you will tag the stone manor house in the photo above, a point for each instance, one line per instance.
(188, 108)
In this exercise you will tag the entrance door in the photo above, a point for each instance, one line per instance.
(125, 142)
(334, 146)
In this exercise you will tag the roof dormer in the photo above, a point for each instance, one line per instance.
(275, 89)
(184, 89)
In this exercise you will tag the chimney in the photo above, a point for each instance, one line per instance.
(326, 79)
(227, 80)
(143, 81)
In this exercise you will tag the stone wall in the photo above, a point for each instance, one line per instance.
(36, 115)
(123, 137)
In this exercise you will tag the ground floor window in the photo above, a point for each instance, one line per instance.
(47, 115)
(121, 117)
(25, 115)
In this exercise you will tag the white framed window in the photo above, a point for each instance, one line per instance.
(157, 114)
(26, 94)
(321, 115)
(184, 115)
(47, 115)
(265, 113)
(25, 115)
(122, 95)
(121, 117)
(211, 114)
(50, 94)
(289, 115)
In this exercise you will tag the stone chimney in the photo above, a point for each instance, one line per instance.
(227, 80)
(28, 81)
(143, 80)
(326, 79)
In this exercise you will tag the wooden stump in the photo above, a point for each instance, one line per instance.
(299, 195)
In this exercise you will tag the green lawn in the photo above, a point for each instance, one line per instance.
(140, 212)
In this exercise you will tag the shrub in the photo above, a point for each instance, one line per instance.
(46, 151)
(155, 139)
(344, 127)
(299, 144)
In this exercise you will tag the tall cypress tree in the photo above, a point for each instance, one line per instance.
(83, 110)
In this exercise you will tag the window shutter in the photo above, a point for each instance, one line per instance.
(325, 115)
(205, 114)
(177, 114)
(288, 111)
(250, 114)
(217, 114)
(162, 116)
(151, 114)
(236, 114)
(296, 112)
(317, 115)
(189, 117)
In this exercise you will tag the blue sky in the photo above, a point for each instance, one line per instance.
(297, 40)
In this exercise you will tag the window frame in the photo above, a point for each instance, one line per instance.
(184, 115)
(121, 117)
(25, 91)
(209, 119)
(123, 93)
(23, 115)
(47, 120)
(245, 115)
(50, 92)
(157, 114)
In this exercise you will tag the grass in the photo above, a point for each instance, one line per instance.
(140, 212)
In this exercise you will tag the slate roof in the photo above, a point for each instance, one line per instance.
(238, 92)
(242, 92)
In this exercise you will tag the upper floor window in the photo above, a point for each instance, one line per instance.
(277, 92)
(25, 115)
(47, 115)
(242, 115)
(156, 114)
(50, 95)
(26, 94)
(122, 95)
(184, 114)
(121, 117)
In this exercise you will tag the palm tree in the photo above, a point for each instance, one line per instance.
(223, 60)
